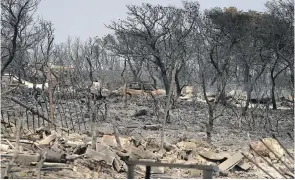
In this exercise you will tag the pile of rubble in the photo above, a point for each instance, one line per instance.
(77, 156)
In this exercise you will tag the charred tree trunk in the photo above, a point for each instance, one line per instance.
(273, 84)
(125, 86)
(152, 75)
(221, 90)
(167, 109)
(245, 108)
(273, 77)
(273, 99)
(223, 98)
(246, 77)
(209, 127)
(93, 123)
(165, 81)
(292, 73)
(133, 70)
(154, 82)
(247, 87)
(169, 97)
(177, 81)
(163, 70)
(19, 77)
(177, 84)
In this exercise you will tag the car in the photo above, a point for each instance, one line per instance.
(143, 85)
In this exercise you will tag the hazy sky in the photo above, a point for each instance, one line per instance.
(86, 18)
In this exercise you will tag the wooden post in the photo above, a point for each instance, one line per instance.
(130, 173)
(207, 174)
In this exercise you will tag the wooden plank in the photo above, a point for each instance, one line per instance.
(231, 162)
(243, 165)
